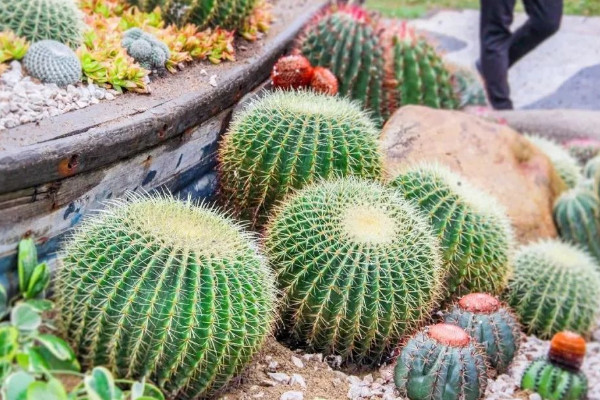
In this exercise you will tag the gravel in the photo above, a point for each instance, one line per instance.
(24, 100)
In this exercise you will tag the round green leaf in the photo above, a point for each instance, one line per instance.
(15, 387)
(9, 344)
(53, 390)
(25, 318)
(40, 305)
(58, 347)
(100, 384)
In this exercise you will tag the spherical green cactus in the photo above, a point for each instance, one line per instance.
(227, 14)
(53, 62)
(564, 163)
(344, 40)
(473, 228)
(357, 265)
(289, 139)
(555, 287)
(415, 73)
(489, 323)
(146, 49)
(554, 382)
(36, 20)
(591, 168)
(168, 290)
(577, 216)
(441, 363)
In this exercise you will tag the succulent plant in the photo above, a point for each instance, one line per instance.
(37, 20)
(489, 323)
(357, 266)
(442, 362)
(475, 234)
(343, 39)
(146, 49)
(158, 288)
(468, 88)
(324, 81)
(583, 150)
(577, 216)
(592, 167)
(292, 72)
(558, 377)
(289, 139)
(12, 47)
(555, 286)
(229, 14)
(414, 72)
(565, 165)
(53, 62)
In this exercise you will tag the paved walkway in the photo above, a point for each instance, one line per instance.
(564, 72)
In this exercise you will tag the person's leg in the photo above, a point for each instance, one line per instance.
(544, 21)
(495, 35)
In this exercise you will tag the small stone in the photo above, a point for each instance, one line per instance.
(337, 382)
(292, 395)
(268, 383)
(334, 361)
(340, 375)
(272, 367)
(213, 81)
(355, 380)
(109, 96)
(279, 377)
(203, 72)
(259, 395)
(368, 379)
(535, 396)
(82, 104)
(298, 380)
(297, 362)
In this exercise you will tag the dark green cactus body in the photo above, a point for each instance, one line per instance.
(554, 382)
(577, 216)
(345, 42)
(487, 322)
(163, 289)
(227, 14)
(474, 231)
(555, 287)
(357, 266)
(289, 139)
(441, 368)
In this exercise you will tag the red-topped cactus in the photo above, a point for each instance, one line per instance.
(292, 72)
(567, 348)
(324, 81)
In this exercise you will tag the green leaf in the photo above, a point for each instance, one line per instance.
(54, 364)
(9, 343)
(36, 362)
(100, 384)
(40, 278)
(25, 318)
(5, 368)
(15, 387)
(27, 261)
(40, 305)
(58, 347)
(3, 302)
(137, 390)
(53, 390)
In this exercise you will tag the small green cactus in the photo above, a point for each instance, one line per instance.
(228, 14)
(473, 228)
(591, 168)
(441, 363)
(145, 49)
(415, 73)
(167, 290)
(344, 40)
(577, 216)
(489, 323)
(468, 88)
(357, 266)
(53, 62)
(554, 382)
(555, 287)
(564, 163)
(289, 139)
(36, 20)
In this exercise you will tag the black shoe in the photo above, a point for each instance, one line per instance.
(478, 67)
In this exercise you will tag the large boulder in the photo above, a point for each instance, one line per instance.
(493, 157)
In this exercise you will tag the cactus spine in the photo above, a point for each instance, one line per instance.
(489, 323)
(475, 233)
(357, 266)
(289, 139)
(168, 290)
(441, 363)
(53, 62)
(577, 216)
(555, 286)
(344, 40)
(565, 165)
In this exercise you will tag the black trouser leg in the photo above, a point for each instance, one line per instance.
(495, 35)
(544, 21)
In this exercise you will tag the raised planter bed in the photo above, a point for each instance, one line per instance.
(55, 172)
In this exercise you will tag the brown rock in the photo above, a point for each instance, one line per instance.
(493, 157)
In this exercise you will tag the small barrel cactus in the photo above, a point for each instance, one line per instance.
(473, 228)
(357, 266)
(36, 20)
(145, 49)
(491, 324)
(289, 139)
(564, 163)
(558, 377)
(168, 290)
(468, 87)
(324, 81)
(442, 362)
(415, 73)
(344, 40)
(292, 72)
(577, 216)
(53, 62)
(228, 14)
(591, 168)
(555, 286)
(583, 150)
